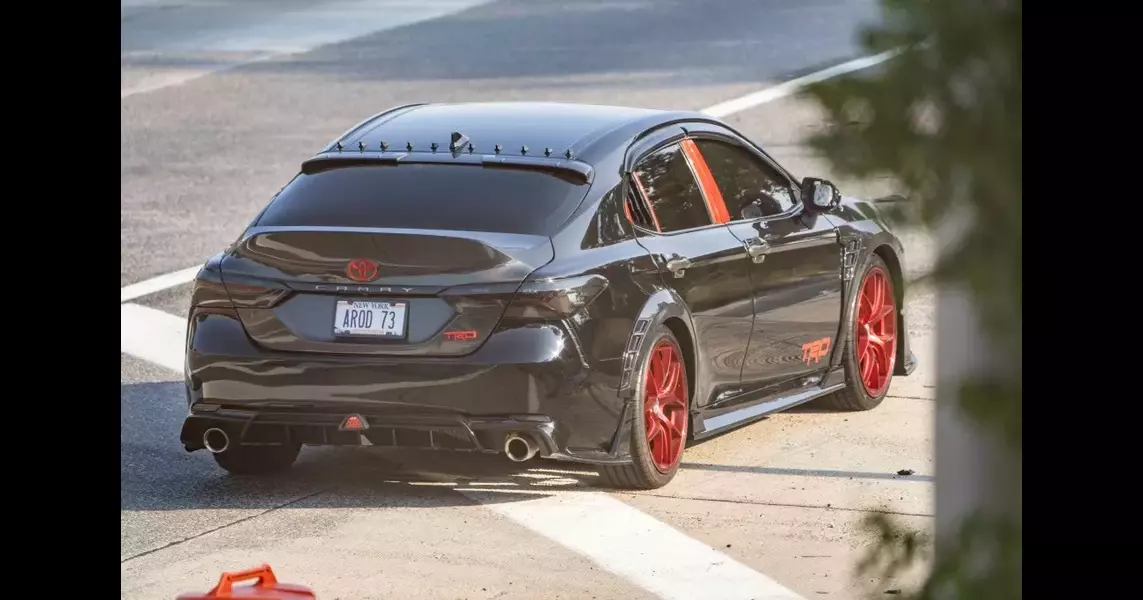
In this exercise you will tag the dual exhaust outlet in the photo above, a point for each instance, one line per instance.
(518, 448)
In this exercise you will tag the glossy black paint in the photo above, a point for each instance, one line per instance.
(262, 361)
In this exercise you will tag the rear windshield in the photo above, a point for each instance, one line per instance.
(411, 196)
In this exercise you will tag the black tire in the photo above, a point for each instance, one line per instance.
(855, 396)
(642, 474)
(257, 460)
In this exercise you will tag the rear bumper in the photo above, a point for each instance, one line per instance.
(531, 380)
(479, 434)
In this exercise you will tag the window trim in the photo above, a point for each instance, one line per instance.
(791, 212)
(640, 194)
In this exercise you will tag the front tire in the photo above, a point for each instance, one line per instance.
(662, 418)
(257, 460)
(871, 342)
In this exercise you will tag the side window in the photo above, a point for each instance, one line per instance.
(665, 180)
(608, 226)
(750, 187)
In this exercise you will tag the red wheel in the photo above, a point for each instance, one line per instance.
(876, 331)
(661, 417)
(665, 406)
(871, 341)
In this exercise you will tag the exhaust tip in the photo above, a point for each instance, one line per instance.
(519, 448)
(215, 440)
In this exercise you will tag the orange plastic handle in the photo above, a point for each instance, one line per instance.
(264, 574)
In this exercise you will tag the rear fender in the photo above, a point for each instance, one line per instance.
(661, 305)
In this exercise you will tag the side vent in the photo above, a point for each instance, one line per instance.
(849, 251)
(632, 353)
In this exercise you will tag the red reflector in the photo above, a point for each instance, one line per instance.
(353, 423)
(460, 335)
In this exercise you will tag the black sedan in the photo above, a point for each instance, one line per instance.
(584, 283)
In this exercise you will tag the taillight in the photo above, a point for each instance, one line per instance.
(555, 298)
(208, 290)
(248, 292)
(214, 290)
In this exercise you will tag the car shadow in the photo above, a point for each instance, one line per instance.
(156, 473)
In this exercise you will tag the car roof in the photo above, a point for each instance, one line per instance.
(512, 125)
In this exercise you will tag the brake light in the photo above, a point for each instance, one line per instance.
(213, 290)
(555, 298)
(208, 291)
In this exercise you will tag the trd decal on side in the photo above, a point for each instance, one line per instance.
(815, 350)
(460, 336)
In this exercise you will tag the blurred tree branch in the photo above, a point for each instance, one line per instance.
(943, 119)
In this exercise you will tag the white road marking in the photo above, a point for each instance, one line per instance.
(152, 335)
(157, 284)
(636, 546)
(787, 88)
(722, 109)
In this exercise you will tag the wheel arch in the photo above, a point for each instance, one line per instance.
(663, 307)
(685, 338)
(887, 253)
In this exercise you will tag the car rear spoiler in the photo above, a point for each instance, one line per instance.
(557, 166)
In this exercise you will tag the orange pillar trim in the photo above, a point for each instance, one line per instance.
(714, 202)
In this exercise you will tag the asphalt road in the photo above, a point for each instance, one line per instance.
(216, 117)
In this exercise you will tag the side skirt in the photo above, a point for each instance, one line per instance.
(707, 426)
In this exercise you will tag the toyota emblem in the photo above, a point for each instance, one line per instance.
(362, 269)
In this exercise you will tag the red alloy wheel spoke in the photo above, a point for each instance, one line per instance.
(670, 380)
(654, 429)
(876, 329)
(664, 407)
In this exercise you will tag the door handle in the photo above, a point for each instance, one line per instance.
(757, 248)
(678, 265)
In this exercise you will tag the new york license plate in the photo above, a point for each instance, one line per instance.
(370, 318)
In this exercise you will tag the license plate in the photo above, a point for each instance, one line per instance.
(370, 318)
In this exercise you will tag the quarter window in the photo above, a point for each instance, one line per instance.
(664, 178)
(750, 187)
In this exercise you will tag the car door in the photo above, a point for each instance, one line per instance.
(698, 258)
(795, 264)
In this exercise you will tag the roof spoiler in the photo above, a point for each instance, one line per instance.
(388, 111)
(333, 160)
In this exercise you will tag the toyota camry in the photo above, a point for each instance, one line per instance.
(584, 283)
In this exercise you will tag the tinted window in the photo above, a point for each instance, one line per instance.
(609, 225)
(411, 196)
(670, 187)
(750, 187)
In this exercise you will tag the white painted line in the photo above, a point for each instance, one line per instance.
(152, 335)
(161, 80)
(637, 547)
(157, 284)
(787, 88)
